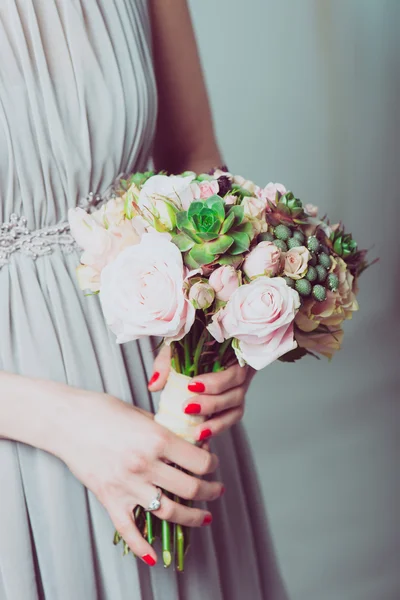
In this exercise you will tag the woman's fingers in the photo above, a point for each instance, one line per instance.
(220, 423)
(125, 525)
(184, 485)
(206, 404)
(161, 369)
(184, 515)
(189, 457)
(217, 383)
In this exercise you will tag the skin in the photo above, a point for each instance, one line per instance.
(116, 450)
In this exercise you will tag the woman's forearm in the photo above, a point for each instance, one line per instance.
(35, 411)
(185, 138)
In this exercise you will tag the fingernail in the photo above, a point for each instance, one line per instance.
(193, 409)
(207, 520)
(154, 378)
(206, 433)
(149, 560)
(196, 387)
(223, 489)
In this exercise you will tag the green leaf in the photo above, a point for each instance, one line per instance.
(236, 189)
(201, 254)
(204, 177)
(228, 223)
(235, 261)
(206, 236)
(128, 208)
(246, 228)
(294, 355)
(216, 204)
(221, 245)
(182, 220)
(189, 261)
(183, 242)
(194, 208)
(238, 211)
(338, 246)
(241, 242)
(190, 233)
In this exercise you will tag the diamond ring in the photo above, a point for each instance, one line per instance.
(156, 502)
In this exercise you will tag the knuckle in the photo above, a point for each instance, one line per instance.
(206, 464)
(242, 374)
(160, 442)
(138, 463)
(122, 524)
(193, 489)
(166, 511)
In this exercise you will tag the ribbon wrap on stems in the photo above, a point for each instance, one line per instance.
(170, 412)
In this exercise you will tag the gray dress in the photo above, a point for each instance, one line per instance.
(78, 107)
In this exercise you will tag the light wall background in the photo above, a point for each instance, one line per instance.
(307, 93)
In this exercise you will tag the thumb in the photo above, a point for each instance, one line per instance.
(161, 369)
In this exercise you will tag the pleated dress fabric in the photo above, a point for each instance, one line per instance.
(77, 108)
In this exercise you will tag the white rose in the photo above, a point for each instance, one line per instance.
(142, 292)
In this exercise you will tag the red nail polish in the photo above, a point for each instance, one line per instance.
(223, 489)
(206, 433)
(193, 409)
(196, 387)
(149, 560)
(207, 520)
(154, 378)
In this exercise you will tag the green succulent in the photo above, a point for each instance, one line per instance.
(207, 231)
(343, 243)
(288, 210)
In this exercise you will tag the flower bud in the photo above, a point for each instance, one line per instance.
(201, 295)
(224, 281)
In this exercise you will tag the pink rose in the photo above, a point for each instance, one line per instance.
(268, 194)
(253, 207)
(175, 188)
(142, 292)
(311, 210)
(202, 295)
(208, 188)
(260, 316)
(100, 245)
(224, 280)
(264, 259)
(230, 199)
(246, 184)
(296, 262)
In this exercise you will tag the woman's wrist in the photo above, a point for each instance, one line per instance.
(37, 412)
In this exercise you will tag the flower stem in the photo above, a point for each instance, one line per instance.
(117, 538)
(166, 543)
(188, 365)
(179, 547)
(198, 352)
(179, 540)
(150, 533)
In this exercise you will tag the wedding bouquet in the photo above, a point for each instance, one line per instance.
(223, 271)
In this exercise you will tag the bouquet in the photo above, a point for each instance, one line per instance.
(224, 271)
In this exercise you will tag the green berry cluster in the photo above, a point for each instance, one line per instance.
(317, 279)
(286, 238)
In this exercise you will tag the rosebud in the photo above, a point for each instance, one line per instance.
(224, 281)
(264, 259)
(201, 295)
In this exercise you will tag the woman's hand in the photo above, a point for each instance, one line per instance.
(220, 395)
(120, 454)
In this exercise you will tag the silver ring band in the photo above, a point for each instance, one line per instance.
(156, 502)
